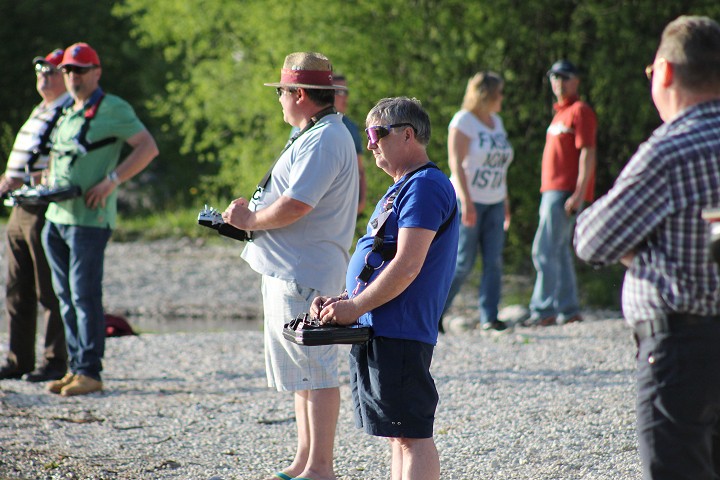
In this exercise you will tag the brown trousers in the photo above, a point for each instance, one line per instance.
(29, 282)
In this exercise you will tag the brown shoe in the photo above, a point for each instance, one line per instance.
(81, 385)
(56, 386)
(575, 318)
(547, 321)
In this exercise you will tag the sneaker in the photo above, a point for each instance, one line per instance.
(57, 385)
(81, 385)
(10, 372)
(45, 373)
(495, 325)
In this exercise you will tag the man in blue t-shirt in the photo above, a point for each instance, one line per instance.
(402, 297)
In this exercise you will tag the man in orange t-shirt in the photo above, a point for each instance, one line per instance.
(568, 181)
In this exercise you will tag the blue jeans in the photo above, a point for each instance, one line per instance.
(555, 292)
(487, 236)
(76, 256)
(678, 404)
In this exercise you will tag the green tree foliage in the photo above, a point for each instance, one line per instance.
(422, 48)
(35, 27)
(195, 72)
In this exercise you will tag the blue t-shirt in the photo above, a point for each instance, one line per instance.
(355, 132)
(426, 200)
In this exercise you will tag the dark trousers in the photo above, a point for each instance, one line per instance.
(28, 282)
(678, 407)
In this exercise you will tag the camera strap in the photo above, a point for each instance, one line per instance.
(387, 252)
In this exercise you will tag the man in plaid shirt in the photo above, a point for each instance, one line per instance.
(651, 222)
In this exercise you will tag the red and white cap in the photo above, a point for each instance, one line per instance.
(53, 58)
(80, 55)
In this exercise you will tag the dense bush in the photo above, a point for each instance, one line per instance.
(195, 73)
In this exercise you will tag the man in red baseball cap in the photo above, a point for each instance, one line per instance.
(82, 60)
(28, 274)
(86, 153)
(80, 55)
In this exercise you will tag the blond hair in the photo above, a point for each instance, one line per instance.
(483, 87)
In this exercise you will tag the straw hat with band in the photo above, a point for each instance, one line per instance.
(306, 70)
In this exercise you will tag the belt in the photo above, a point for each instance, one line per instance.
(674, 323)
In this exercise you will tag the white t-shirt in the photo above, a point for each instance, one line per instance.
(488, 158)
(319, 169)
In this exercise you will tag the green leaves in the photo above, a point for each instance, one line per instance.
(195, 73)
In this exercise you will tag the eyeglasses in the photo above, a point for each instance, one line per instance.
(68, 69)
(649, 70)
(342, 93)
(281, 90)
(376, 132)
(46, 70)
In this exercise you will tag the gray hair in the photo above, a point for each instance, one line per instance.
(393, 110)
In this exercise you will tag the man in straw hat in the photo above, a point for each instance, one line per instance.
(302, 220)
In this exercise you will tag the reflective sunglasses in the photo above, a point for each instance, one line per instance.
(376, 132)
(68, 69)
(43, 69)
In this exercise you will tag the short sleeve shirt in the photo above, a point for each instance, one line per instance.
(355, 133)
(426, 200)
(488, 158)
(320, 170)
(573, 128)
(70, 166)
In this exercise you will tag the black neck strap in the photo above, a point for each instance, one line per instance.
(313, 121)
(388, 252)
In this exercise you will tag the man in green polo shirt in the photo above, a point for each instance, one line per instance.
(86, 153)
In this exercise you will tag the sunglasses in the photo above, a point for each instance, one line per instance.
(376, 132)
(281, 90)
(649, 70)
(68, 69)
(46, 70)
(559, 76)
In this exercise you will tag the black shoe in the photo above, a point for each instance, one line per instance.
(495, 325)
(10, 372)
(46, 373)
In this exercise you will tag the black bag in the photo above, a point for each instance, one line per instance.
(304, 330)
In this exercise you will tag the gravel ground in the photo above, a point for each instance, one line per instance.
(550, 403)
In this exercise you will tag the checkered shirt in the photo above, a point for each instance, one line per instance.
(653, 210)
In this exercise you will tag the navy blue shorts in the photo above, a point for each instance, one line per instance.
(393, 392)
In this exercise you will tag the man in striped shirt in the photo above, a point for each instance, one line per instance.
(28, 275)
(651, 222)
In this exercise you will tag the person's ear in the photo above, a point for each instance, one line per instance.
(665, 72)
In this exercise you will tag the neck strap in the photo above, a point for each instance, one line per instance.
(313, 121)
